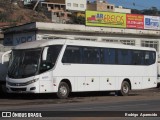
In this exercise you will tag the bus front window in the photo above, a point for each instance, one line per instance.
(52, 55)
(24, 63)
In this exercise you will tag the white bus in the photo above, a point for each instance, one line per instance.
(62, 66)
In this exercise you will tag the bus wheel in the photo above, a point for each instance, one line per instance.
(63, 90)
(125, 88)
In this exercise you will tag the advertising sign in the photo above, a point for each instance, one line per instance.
(135, 21)
(109, 19)
(152, 22)
(15, 39)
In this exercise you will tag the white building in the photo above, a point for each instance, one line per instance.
(76, 5)
(27, 2)
(120, 9)
(42, 31)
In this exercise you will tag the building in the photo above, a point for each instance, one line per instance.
(120, 9)
(60, 11)
(102, 5)
(2, 47)
(57, 10)
(76, 5)
(42, 31)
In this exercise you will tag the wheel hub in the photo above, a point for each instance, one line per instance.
(125, 89)
(63, 91)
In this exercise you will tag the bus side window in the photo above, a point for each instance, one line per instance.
(91, 55)
(138, 57)
(149, 57)
(52, 55)
(102, 56)
(95, 56)
(124, 57)
(146, 58)
(72, 54)
(107, 56)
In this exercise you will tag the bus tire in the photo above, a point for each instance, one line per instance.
(125, 89)
(63, 90)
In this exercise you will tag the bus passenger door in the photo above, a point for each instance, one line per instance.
(92, 84)
(46, 84)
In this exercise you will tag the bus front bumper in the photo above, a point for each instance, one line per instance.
(32, 88)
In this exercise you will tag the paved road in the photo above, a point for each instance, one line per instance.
(144, 100)
(139, 105)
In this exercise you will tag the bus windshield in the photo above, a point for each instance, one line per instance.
(24, 63)
(27, 63)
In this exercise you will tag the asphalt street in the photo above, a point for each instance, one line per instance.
(85, 106)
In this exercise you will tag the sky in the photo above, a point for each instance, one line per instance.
(136, 4)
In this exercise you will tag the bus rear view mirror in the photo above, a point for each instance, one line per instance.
(44, 56)
(3, 56)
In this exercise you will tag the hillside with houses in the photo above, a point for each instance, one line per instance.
(15, 13)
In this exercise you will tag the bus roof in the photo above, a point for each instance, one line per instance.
(43, 43)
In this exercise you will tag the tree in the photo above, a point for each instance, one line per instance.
(78, 20)
(151, 11)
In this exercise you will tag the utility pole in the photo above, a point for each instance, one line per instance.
(36, 4)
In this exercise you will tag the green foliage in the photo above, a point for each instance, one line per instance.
(150, 11)
(3, 17)
(78, 20)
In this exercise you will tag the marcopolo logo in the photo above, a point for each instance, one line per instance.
(6, 114)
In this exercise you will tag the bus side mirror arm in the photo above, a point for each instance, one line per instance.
(44, 55)
(8, 52)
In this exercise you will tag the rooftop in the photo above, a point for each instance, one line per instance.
(79, 28)
(43, 43)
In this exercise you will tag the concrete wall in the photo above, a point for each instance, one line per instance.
(91, 6)
(83, 28)
(80, 3)
(13, 39)
(122, 10)
(105, 7)
(43, 31)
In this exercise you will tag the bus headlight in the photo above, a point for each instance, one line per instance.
(22, 84)
(32, 81)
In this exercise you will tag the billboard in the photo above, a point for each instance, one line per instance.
(152, 22)
(108, 19)
(135, 21)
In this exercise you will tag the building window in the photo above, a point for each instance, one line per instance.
(110, 40)
(128, 42)
(75, 5)
(112, 7)
(108, 7)
(152, 44)
(88, 39)
(82, 5)
(69, 4)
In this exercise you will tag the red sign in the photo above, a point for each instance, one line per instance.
(135, 21)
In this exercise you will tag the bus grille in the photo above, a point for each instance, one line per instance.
(18, 89)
